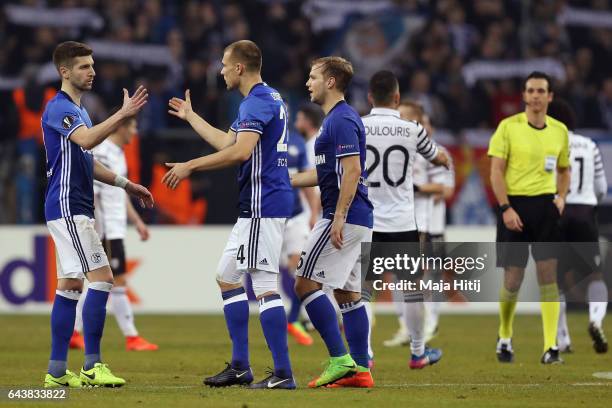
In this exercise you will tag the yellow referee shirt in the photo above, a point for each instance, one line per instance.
(532, 155)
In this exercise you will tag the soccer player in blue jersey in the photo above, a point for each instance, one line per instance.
(332, 254)
(69, 210)
(257, 141)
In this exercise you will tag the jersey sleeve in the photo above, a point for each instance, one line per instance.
(64, 118)
(425, 146)
(563, 161)
(345, 134)
(498, 145)
(601, 183)
(253, 116)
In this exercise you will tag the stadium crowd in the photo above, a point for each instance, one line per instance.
(444, 53)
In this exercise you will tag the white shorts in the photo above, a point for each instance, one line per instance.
(323, 263)
(296, 235)
(77, 245)
(253, 244)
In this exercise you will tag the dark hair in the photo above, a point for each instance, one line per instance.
(562, 111)
(66, 52)
(538, 75)
(313, 113)
(247, 53)
(383, 86)
(338, 68)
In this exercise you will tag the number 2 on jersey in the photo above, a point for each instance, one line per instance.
(281, 146)
(385, 165)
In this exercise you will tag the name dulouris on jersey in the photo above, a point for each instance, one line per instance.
(387, 130)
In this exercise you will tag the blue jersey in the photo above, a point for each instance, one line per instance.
(69, 167)
(265, 189)
(342, 134)
(297, 162)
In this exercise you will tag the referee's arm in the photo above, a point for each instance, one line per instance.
(563, 183)
(498, 183)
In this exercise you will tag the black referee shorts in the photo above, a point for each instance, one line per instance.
(580, 232)
(540, 218)
(115, 252)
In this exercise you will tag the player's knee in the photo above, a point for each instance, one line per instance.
(264, 283)
(344, 296)
(120, 280)
(304, 286)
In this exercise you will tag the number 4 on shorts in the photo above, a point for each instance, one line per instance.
(240, 254)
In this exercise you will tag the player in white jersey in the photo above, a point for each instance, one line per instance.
(424, 191)
(580, 261)
(393, 144)
(112, 210)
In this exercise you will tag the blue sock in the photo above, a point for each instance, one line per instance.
(288, 287)
(62, 325)
(236, 311)
(274, 326)
(356, 329)
(94, 315)
(323, 317)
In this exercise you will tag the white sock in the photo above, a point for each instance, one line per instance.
(598, 301)
(123, 311)
(78, 321)
(369, 312)
(414, 317)
(563, 336)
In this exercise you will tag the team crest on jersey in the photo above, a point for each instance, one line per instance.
(67, 122)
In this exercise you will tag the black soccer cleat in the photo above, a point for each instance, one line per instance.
(504, 351)
(273, 382)
(600, 343)
(551, 356)
(230, 376)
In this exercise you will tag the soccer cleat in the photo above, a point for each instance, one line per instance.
(272, 382)
(298, 332)
(69, 379)
(504, 351)
(100, 376)
(551, 356)
(137, 343)
(400, 338)
(230, 376)
(600, 343)
(338, 367)
(361, 379)
(430, 357)
(77, 341)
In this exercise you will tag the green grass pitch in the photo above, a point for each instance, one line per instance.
(193, 346)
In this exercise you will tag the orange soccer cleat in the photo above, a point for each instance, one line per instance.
(361, 379)
(77, 341)
(297, 331)
(137, 343)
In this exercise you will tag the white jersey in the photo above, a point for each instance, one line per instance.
(392, 146)
(588, 180)
(446, 177)
(111, 211)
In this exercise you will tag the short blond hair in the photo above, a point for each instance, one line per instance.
(338, 68)
(246, 52)
(414, 105)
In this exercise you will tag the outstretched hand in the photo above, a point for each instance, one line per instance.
(144, 196)
(179, 107)
(132, 105)
(177, 172)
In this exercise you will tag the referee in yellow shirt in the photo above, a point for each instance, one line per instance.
(530, 178)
